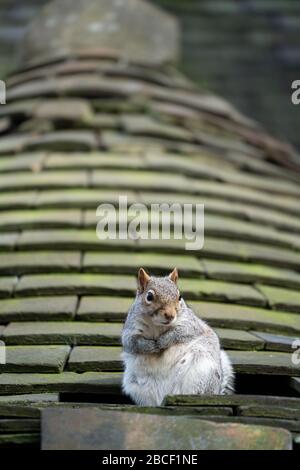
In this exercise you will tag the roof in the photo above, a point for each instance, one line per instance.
(77, 131)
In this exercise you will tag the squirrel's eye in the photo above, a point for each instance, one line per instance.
(179, 298)
(150, 296)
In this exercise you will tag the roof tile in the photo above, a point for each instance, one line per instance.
(33, 89)
(58, 161)
(30, 262)
(38, 333)
(13, 143)
(246, 272)
(233, 193)
(269, 412)
(68, 239)
(7, 285)
(81, 284)
(43, 180)
(37, 308)
(276, 342)
(63, 141)
(22, 162)
(238, 339)
(241, 230)
(64, 382)
(147, 126)
(281, 299)
(49, 218)
(28, 399)
(249, 318)
(137, 180)
(83, 198)
(21, 108)
(275, 256)
(62, 109)
(130, 262)
(8, 241)
(232, 400)
(15, 428)
(35, 359)
(261, 362)
(221, 291)
(23, 200)
(95, 358)
(103, 308)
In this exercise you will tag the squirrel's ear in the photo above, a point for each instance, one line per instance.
(174, 275)
(143, 279)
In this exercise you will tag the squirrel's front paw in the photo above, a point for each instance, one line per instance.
(163, 342)
(151, 346)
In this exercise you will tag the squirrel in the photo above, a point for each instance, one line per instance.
(167, 349)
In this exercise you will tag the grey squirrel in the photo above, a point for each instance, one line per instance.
(167, 349)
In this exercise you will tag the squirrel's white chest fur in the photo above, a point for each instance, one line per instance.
(162, 363)
(148, 378)
(165, 365)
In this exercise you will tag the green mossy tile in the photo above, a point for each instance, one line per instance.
(263, 362)
(281, 299)
(37, 308)
(16, 220)
(69, 239)
(95, 358)
(7, 285)
(42, 180)
(81, 198)
(238, 339)
(131, 262)
(68, 382)
(48, 359)
(103, 308)
(83, 333)
(247, 318)
(80, 284)
(32, 262)
(220, 291)
(277, 342)
(250, 273)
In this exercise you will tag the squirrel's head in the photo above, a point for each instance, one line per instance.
(160, 297)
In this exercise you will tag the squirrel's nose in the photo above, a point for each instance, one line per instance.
(169, 316)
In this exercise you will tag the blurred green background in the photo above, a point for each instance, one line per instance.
(248, 51)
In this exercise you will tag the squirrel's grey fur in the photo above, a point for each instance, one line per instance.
(182, 356)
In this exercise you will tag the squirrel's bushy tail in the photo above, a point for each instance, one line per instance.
(227, 386)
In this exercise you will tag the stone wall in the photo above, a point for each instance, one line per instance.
(14, 16)
(248, 51)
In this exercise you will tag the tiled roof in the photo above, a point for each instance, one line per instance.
(80, 131)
